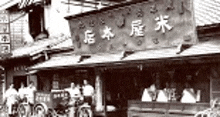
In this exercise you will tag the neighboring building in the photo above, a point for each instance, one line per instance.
(36, 28)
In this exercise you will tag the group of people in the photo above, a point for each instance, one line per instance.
(12, 96)
(188, 94)
(86, 92)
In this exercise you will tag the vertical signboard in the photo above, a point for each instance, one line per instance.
(5, 41)
(134, 26)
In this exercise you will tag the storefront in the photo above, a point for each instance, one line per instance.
(15, 66)
(123, 50)
(122, 83)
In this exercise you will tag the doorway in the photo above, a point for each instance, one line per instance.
(17, 80)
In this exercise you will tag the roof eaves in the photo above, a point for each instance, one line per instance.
(104, 9)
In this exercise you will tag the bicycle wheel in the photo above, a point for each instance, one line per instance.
(51, 113)
(24, 110)
(84, 112)
(40, 111)
(3, 112)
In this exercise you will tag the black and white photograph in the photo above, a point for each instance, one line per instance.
(109, 58)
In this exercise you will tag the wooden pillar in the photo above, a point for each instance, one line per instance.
(99, 91)
(214, 79)
(104, 95)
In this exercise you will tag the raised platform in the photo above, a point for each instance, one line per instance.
(171, 109)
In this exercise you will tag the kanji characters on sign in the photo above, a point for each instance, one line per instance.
(107, 33)
(89, 37)
(137, 28)
(162, 23)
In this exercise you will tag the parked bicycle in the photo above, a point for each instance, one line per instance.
(213, 111)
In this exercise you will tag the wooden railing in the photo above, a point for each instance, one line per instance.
(156, 109)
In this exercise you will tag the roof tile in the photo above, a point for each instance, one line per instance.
(207, 12)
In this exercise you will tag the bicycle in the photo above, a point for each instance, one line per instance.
(213, 111)
(24, 108)
(4, 110)
(84, 111)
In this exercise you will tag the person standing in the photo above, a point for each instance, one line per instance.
(30, 91)
(22, 92)
(74, 96)
(73, 91)
(189, 96)
(30, 94)
(10, 98)
(149, 93)
(164, 93)
(88, 92)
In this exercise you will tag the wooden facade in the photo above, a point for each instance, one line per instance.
(120, 83)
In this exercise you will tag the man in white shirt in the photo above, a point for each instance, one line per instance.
(30, 94)
(30, 91)
(74, 96)
(74, 91)
(88, 92)
(10, 98)
(22, 92)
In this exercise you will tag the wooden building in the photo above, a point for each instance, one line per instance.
(125, 48)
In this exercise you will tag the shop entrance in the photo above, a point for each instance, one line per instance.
(17, 80)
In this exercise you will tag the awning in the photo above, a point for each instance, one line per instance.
(103, 58)
(40, 46)
(206, 12)
(206, 48)
(209, 47)
(75, 60)
(32, 72)
(59, 61)
(153, 54)
(5, 4)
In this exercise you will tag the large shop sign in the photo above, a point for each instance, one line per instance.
(134, 26)
(5, 40)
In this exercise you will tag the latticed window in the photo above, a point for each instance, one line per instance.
(17, 24)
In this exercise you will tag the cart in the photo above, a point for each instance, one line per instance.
(49, 103)
(54, 104)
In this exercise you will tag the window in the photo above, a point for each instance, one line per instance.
(36, 21)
